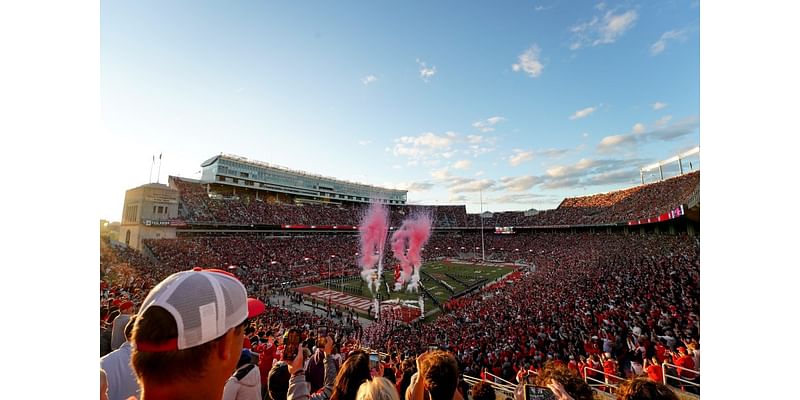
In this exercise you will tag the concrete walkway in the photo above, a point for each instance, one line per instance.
(277, 299)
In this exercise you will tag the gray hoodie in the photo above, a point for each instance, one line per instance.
(245, 384)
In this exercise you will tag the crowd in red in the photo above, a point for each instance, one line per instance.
(617, 303)
(221, 204)
(599, 300)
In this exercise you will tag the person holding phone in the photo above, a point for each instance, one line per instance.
(299, 389)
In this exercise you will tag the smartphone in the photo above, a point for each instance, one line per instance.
(533, 392)
(373, 361)
(293, 340)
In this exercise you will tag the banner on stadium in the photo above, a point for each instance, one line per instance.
(674, 213)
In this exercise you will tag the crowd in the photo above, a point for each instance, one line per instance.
(618, 303)
(222, 204)
(609, 302)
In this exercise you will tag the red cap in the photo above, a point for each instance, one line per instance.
(255, 307)
(116, 302)
(125, 305)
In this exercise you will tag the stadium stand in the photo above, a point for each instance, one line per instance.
(579, 298)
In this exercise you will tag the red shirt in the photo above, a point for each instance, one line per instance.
(654, 373)
(610, 368)
(685, 361)
(660, 350)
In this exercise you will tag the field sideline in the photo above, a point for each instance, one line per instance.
(436, 276)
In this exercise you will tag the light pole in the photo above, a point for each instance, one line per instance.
(330, 261)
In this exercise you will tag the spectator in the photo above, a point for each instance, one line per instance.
(644, 389)
(437, 375)
(299, 388)
(118, 326)
(653, 369)
(685, 361)
(245, 384)
(188, 338)
(355, 371)
(564, 382)
(278, 381)
(482, 391)
(378, 388)
(117, 366)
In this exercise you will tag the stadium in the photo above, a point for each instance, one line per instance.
(594, 285)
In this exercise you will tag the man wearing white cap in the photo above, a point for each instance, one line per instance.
(188, 336)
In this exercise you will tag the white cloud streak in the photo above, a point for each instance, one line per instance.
(488, 124)
(425, 73)
(639, 135)
(661, 44)
(529, 62)
(583, 113)
(369, 79)
(605, 30)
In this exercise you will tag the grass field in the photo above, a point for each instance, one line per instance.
(434, 276)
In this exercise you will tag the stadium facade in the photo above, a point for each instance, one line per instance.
(149, 212)
(301, 186)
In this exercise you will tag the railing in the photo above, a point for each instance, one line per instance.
(677, 378)
(497, 378)
(600, 385)
(506, 390)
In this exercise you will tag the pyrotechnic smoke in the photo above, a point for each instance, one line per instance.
(407, 243)
(372, 236)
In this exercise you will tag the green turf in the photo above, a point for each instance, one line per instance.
(466, 273)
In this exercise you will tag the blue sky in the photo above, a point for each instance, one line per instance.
(528, 101)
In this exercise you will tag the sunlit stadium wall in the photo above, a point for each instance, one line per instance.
(239, 171)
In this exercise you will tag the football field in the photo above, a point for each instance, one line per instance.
(442, 280)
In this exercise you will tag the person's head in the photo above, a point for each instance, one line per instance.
(189, 331)
(482, 391)
(103, 385)
(245, 358)
(354, 371)
(378, 388)
(573, 384)
(278, 381)
(644, 389)
(439, 373)
(126, 307)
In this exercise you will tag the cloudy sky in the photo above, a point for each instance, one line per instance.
(528, 102)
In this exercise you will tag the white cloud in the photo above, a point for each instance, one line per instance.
(638, 128)
(658, 105)
(479, 173)
(369, 79)
(474, 139)
(661, 44)
(663, 120)
(423, 145)
(585, 134)
(519, 184)
(462, 164)
(529, 62)
(600, 6)
(603, 30)
(472, 185)
(485, 126)
(364, 142)
(415, 186)
(424, 72)
(582, 113)
(520, 157)
(662, 132)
